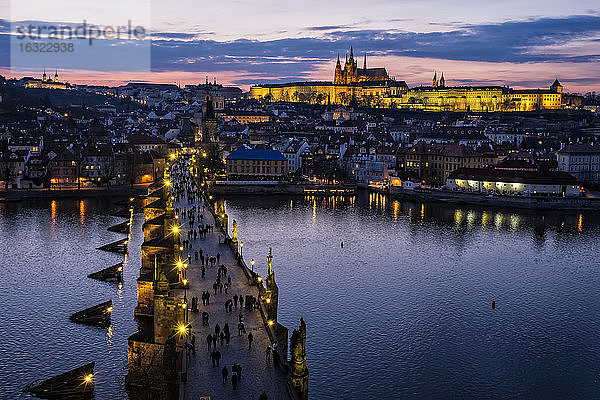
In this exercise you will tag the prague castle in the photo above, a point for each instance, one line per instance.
(373, 87)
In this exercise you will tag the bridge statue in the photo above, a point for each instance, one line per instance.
(234, 233)
(270, 262)
(299, 371)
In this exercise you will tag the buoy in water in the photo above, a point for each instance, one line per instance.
(493, 304)
(342, 245)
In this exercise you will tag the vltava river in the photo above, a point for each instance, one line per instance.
(403, 310)
(48, 248)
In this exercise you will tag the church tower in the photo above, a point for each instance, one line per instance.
(556, 87)
(56, 76)
(209, 120)
(338, 78)
(365, 63)
(44, 75)
(434, 82)
(350, 69)
(442, 81)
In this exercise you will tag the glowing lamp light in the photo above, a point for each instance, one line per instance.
(182, 329)
(109, 309)
(120, 269)
(177, 217)
(131, 199)
(180, 248)
(88, 378)
(179, 264)
(172, 156)
(252, 262)
(259, 279)
(168, 183)
(185, 281)
(175, 229)
(271, 322)
(268, 300)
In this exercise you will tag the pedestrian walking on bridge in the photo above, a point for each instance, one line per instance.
(250, 339)
(224, 372)
(234, 381)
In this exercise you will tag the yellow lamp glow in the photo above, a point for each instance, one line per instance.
(175, 229)
(88, 378)
(109, 309)
(271, 323)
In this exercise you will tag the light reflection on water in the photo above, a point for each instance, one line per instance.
(48, 249)
(403, 310)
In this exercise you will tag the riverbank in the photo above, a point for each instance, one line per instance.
(477, 199)
(255, 187)
(115, 191)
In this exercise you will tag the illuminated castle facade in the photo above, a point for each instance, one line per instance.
(47, 82)
(373, 87)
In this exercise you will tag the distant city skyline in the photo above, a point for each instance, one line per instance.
(522, 44)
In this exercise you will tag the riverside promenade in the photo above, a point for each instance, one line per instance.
(258, 375)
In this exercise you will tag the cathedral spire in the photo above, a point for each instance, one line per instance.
(434, 82)
(365, 63)
(442, 80)
(351, 53)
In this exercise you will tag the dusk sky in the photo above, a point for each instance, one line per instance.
(518, 43)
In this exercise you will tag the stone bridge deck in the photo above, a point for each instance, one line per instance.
(203, 379)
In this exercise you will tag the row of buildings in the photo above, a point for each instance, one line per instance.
(28, 164)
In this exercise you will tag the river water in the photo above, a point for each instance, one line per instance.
(48, 248)
(404, 309)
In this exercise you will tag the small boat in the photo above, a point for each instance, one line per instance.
(74, 384)
(98, 315)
